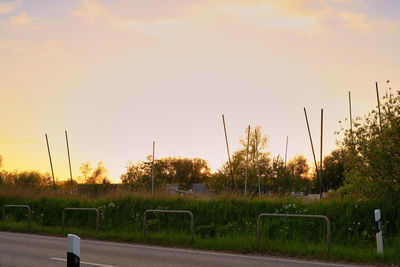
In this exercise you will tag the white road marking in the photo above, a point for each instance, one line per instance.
(84, 262)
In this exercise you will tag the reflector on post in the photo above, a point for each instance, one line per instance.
(379, 242)
(73, 250)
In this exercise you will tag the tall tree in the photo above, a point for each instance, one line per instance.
(98, 175)
(333, 171)
(85, 170)
(181, 171)
(239, 164)
(371, 151)
(297, 169)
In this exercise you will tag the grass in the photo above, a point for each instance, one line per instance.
(221, 223)
(239, 243)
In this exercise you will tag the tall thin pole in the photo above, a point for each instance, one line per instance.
(152, 172)
(258, 170)
(380, 136)
(351, 118)
(320, 162)
(379, 106)
(287, 140)
(312, 148)
(69, 161)
(227, 148)
(247, 161)
(51, 163)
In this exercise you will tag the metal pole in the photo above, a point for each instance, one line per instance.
(380, 136)
(320, 163)
(227, 148)
(379, 106)
(51, 163)
(69, 161)
(351, 118)
(152, 172)
(287, 140)
(258, 170)
(312, 148)
(247, 161)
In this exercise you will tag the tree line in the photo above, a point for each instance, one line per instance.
(365, 164)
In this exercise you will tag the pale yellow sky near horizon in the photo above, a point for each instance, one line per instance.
(119, 74)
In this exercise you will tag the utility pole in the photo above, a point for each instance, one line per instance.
(379, 106)
(229, 157)
(258, 170)
(312, 148)
(152, 172)
(247, 161)
(69, 162)
(287, 141)
(51, 163)
(320, 162)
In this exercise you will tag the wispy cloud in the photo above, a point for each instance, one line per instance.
(93, 13)
(274, 14)
(9, 7)
(359, 22)
(309, 15)
(297, 16)
(21, 20)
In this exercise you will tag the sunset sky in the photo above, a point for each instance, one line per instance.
(119, 74)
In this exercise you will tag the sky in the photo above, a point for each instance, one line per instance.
(118, 75)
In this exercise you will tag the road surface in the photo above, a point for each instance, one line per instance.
(35, 250)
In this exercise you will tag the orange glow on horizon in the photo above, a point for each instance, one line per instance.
(120, 74)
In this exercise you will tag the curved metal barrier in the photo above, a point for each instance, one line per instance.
(170, 211)
(89, 209)
(17, 206)
(328, 224)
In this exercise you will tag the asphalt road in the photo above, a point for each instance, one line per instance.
(35, 250)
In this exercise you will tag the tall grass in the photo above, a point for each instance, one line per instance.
(220, 223)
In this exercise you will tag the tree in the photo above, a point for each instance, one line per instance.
(297, 169)
(137, 175)
(333, 170)
(371, 151)
(181, 171)
(1, 161)
(85, 170)
(91, 176)
(280, 180)
(32, 179)
(239, 165)
(273, 176)
(298, 166)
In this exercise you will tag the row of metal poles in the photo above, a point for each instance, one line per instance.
(318, 171)
(69, 160)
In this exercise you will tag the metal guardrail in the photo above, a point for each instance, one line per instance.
(17, 206)
(328, 224)
(169, 211)
(89, 209)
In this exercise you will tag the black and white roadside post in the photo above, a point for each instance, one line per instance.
(73, 250)
(379, 243)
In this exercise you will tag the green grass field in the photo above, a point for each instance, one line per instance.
(226, 224)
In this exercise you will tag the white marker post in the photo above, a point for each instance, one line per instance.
(73, 250)
(379, 242)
